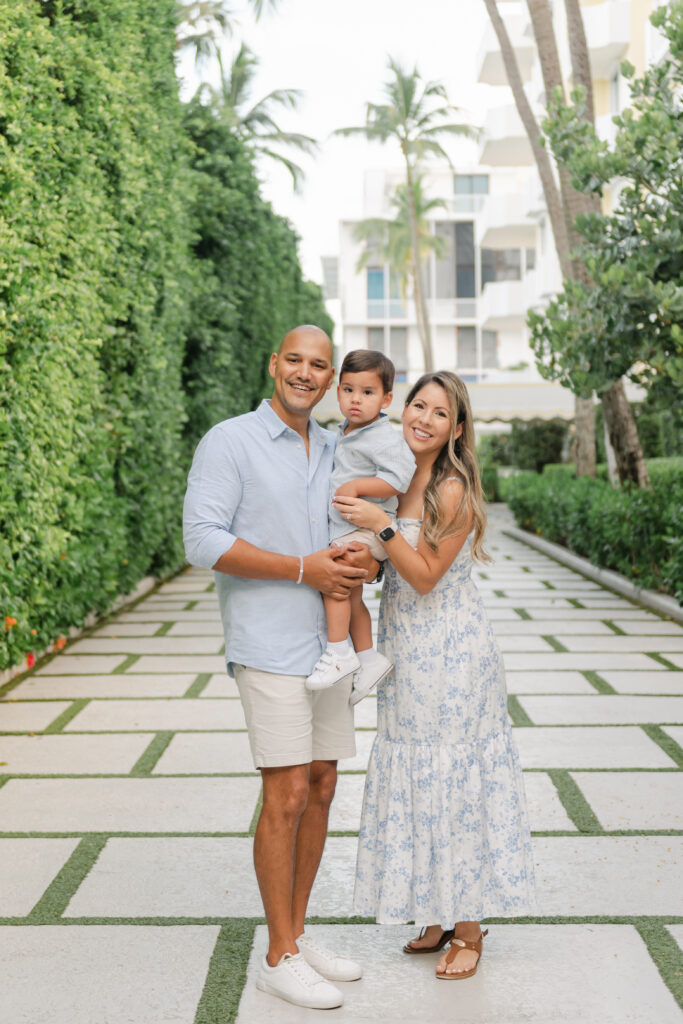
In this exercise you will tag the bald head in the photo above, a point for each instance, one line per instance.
(308, 331)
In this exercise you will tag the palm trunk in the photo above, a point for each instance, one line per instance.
(421, 311)
(578, 48)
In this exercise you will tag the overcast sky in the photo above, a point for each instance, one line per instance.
(336, 52)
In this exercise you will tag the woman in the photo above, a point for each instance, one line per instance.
(444, 839)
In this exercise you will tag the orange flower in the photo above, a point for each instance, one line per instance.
(30, 660)
(60, 642)
(62, 556)
(34, 632)
(9, 622)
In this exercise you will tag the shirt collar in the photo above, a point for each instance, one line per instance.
(276, 427)
(359, 430)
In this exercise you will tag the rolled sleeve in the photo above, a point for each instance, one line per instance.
(214, 491)
(396, 465)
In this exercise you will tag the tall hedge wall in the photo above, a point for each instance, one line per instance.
(114, 300)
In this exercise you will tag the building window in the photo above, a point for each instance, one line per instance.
(614, 98)
(445, 266)
(467, 348)
(471, 184)
(398, 351)
(464, 260)
(501, 265)
(530, 259)
(376, 338)
(489, 349)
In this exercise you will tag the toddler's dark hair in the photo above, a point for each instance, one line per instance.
(362, 359)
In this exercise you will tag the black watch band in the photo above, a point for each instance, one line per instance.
(380, 573)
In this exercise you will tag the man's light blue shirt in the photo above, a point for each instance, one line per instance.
(251, 478)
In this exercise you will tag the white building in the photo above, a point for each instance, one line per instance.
(501, 258)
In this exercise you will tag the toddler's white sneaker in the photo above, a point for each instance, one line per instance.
(369, 675)
(330, 668)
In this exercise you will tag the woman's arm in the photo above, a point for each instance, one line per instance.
(422, 568)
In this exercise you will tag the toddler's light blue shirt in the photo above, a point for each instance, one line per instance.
(250, 478)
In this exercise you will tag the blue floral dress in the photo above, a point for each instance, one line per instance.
(444, 834)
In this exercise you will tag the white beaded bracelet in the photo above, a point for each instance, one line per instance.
(301, 568)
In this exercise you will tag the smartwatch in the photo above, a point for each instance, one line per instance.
(387, 533)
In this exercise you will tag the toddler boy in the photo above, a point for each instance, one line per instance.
(372, 461)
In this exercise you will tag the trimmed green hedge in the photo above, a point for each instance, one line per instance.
(636, 532)
(113, 302)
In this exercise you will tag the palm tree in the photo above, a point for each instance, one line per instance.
(255, 124)
(390, 240)
(417, 116)
(204, 21)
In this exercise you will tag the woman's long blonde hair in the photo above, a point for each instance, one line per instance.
(456, 458)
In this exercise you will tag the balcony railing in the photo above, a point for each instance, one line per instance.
(386, 309)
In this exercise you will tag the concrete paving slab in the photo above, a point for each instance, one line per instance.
(173, 615)
(76, 687)
(592, 614)
(187, 586)
(205, 754)
(347, 804)
(609, 875)
(103, 975)
(503, 614)
(27, 866)
(159, 714)
(513, 984)
(602, 710)
(220, 686)
(523, 642)
(578, 747)
(677, 933)
(202, 627)
(67, 664)
(71, 755)
(151, 645)
(675, 659)
(118, 629)
(200, 876)
(166, 603)
(547, 682)
(552, 627)
(595, 662)
(528, 603)
(195, 663)
(649, 627)
(128, 805)
(546, 813)
(365, 713)
(618, 644)
(669, 683)
(30, 717)
(634, 800)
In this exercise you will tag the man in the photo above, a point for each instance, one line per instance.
(256, 512)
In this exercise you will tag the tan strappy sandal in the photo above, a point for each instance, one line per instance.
(456, 946)
(438, 945)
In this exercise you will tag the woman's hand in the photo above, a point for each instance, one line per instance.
(361, 514)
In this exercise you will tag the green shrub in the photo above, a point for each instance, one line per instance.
(636, 532)
(536, 443)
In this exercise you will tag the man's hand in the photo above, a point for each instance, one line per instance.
(327, 572)
(358, 554)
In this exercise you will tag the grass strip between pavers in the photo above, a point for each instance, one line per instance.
(147, 761)
(661, 660)
(596, 680)
(667, 955)
(523, 614)
(517, 712)
(575, 803)
(613, 626)
(666, 742)
(556, 644)
(196, 688)
(227, 973)
(66, 716)
(127, 663)
(58, 894)
(164, 628)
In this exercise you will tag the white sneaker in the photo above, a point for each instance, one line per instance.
(369, 675)
(335, 968)
(330, 668)
(294, 980)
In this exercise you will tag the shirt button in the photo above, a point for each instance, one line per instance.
(313, 519)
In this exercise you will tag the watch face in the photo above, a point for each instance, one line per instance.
(387, 533)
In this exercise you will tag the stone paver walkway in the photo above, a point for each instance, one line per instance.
(128, 802)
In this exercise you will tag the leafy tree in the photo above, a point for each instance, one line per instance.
(416, 115)
(627, 317)
(535, 444)
(391, 239)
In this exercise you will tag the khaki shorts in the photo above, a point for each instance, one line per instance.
(365, 537)
(289, 725)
